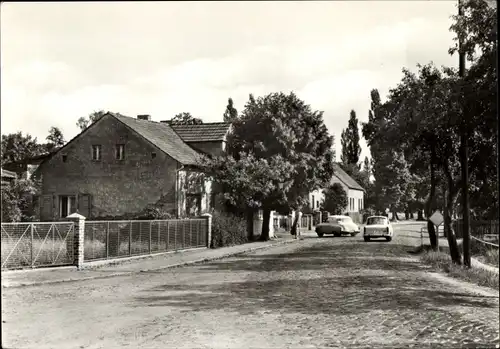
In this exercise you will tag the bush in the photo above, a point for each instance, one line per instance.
(228, 229)
(154, 212)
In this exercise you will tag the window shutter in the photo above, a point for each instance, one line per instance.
(84, 205)
(46, 206)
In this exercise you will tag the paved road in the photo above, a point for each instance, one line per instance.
(328, 292)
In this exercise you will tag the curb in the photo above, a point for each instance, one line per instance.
(170, 266)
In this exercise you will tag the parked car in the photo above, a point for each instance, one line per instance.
(378, 227)
(338, 225)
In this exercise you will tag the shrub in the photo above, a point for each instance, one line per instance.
(228, 229)
(154, 212)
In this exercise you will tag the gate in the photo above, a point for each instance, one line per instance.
(32, 245)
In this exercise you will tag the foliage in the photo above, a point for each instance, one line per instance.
(228, 229)
(335, 199)
(83, 122)
(185, 119)
(17, 200)
(55, 139)
(231, 113)
(17, 147)
(154, 212)
(351, 149)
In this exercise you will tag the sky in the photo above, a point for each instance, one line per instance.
(64, 60)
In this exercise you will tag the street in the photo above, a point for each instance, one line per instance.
(319, 292)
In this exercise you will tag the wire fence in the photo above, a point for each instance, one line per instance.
(37, 244)
(118, 239)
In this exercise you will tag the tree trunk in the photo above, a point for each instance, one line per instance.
(394, 215)
(420, 215)
(429, 205)
(295, 223)
(407, 214)
(450, 197)
(250, 217)
(264, 236)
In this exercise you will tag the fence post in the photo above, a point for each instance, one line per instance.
(32, 262)
(79, 238)
(208, 217)
(107, 241)
(150, 226)
(130, 240)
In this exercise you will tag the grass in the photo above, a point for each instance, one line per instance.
(441, 261)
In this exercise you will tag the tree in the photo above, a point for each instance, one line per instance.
(367, 166)
(351, 150)
(83, 122)
(185, 119)
(335, 199)
(55, 139)
(281, 125)
(17, 147)
(16, 200)
(231, 113)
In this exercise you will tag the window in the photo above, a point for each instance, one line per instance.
(96, 152)
(64, 158)
(120, 151)
(153, 155)
(313, 202)
(317, 203)
(67, 205)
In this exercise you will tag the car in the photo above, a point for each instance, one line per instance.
(378, 227)
(338, 225)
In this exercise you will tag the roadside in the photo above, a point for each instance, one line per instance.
(104, 269)
(480, 274)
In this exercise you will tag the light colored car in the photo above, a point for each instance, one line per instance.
(378, 227)
(337, 225)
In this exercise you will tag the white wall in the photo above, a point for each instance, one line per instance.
(356, 195)
(318, 197)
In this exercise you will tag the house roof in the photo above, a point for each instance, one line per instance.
(163, 137)
(8, 174)
(208, 132)
(346, 179)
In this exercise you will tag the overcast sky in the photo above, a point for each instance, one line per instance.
(64, 60)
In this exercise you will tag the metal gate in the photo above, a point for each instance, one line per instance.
(32, 245)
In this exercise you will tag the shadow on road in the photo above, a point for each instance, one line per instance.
(314, 292)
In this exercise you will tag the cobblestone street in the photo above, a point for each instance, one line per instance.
(329, 292)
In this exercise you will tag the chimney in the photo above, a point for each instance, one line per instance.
(144, 117)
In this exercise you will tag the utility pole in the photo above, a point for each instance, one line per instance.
(464, 156)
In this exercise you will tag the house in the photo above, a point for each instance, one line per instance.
(209, 138)
(26, 167)
(7, 177)
(355, 193)
(120, 165)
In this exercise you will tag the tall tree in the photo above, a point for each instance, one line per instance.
(185, 119)
(231, 113)
(83, 122)
(55, 139)
(16, 147)
(281, 125)
(351, 150)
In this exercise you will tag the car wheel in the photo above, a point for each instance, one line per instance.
(320, 235)
(337, 234)
(366, 238)
(388, 238)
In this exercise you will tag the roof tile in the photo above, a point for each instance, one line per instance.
(209, 132)
(164, 137)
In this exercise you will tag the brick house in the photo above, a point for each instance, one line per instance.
(120, 165)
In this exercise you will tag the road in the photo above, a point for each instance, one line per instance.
(328, 292)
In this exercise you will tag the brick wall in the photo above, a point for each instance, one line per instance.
(116, 187)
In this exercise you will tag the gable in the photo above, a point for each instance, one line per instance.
(346, 179)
